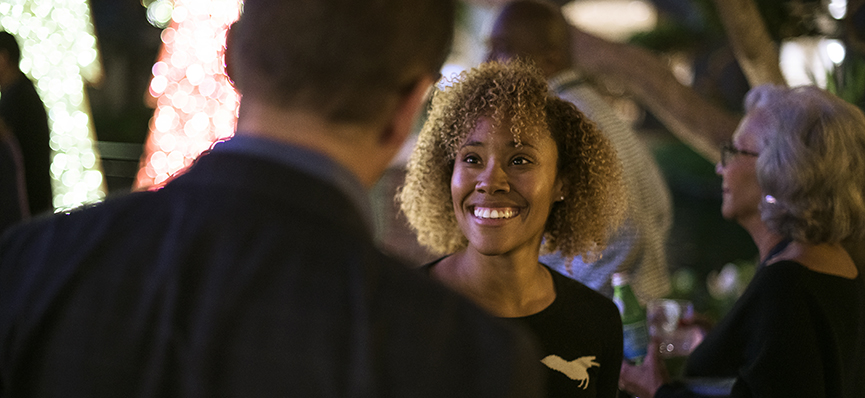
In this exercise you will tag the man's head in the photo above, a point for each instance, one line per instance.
(347, 61)
(534, 30)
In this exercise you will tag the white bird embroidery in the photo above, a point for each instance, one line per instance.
(575, 370)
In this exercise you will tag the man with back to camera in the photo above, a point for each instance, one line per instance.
(255, 272)
(24, 114)
(537, 30)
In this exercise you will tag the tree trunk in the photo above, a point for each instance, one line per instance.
(697, 122)
(756, 52)
(693, 119)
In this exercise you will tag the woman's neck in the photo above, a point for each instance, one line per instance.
(763, 237)
(507, 286)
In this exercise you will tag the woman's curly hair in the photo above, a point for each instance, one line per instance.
(514, 94)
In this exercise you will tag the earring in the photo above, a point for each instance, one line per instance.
(561, 198)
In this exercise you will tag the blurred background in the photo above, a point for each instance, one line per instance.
(147, 120)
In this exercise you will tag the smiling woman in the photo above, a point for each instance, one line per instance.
(502, 166)
(513, 97)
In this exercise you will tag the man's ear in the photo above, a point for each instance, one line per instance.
(227, 60)
(408, 106)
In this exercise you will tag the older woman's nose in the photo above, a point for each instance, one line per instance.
(493, 179)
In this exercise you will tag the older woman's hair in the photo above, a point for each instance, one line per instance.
(515, 95)
(812, 165)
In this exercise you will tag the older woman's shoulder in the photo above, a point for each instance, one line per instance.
(789, 282)
(828, 259)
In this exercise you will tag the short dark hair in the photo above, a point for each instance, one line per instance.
(9, 44)
(531, 29)
(346, 60)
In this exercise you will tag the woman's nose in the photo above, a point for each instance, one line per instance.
(719, 168)
(493, 179)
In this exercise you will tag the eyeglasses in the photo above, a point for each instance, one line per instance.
(728, 151)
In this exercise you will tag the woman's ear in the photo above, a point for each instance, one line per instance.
(558, 189)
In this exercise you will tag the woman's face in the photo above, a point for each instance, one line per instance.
(502, 193)
(741, 191)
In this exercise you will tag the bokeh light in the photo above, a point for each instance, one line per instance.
(159, 12)
(612, 19)
(195, 103)
(58, 52)
(809, 60)
(837, 8)
(835, 51)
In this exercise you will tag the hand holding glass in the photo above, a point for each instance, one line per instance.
(671, 326)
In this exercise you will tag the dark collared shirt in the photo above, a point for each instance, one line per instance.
(307, 161)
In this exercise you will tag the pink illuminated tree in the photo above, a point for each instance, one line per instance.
(195, 104)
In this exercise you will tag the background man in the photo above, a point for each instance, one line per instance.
(255, 272)
(24, 114)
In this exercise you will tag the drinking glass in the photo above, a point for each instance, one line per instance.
(670, 324)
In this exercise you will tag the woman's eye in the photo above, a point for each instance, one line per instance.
(520, 161)
(471, 159)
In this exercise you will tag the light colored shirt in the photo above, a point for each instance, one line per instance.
(638, 247)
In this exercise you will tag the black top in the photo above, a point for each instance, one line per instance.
(23, 112)
(581, 340)
(793, 333)
(240, 278)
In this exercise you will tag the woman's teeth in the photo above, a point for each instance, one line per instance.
(482, 212)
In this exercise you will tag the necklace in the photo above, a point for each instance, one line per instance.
(778, 248)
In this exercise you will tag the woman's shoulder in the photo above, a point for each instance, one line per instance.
(426, 269)
(779, 279)
(789, 272)
(788, 282)
(825, 259)
(575, 293)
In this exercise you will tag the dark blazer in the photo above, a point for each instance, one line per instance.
(242, 277)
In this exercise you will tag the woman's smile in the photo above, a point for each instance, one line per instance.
(496, 213)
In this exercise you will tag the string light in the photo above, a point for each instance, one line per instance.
(58, 52)
(195, 103)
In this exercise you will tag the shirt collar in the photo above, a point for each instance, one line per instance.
(564, 79)
(307, 161)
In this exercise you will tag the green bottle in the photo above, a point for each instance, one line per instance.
(634, 328)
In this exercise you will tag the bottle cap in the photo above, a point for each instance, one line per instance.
(619, 279)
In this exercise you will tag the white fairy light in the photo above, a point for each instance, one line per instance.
(58, 52)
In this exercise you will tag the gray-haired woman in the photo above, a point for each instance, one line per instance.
(794, 178)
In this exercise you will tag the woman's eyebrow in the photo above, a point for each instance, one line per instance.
(513, 144)
(472, 144)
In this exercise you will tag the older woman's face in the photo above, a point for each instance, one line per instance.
(741, 191)
(502, 193)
